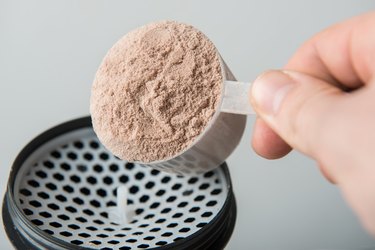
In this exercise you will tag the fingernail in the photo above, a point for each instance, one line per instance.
(269, 90)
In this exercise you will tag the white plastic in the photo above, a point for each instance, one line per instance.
(236, 99)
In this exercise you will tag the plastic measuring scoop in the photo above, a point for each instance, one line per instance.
(221, 135)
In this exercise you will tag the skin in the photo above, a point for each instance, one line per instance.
(328, 110)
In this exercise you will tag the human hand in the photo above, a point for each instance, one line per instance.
(323, 105)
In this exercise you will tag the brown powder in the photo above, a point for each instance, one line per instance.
(155, 91)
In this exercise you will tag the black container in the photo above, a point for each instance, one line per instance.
(62, 187)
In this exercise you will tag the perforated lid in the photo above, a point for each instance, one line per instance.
(66, 187)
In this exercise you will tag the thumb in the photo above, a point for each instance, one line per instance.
(297, 107)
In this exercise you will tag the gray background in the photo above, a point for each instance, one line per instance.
(49, 52)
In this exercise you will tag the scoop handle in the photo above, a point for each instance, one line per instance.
(236, 98)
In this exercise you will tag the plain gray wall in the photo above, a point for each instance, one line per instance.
(50, 50)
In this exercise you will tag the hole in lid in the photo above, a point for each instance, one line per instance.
(178, 238)
(143, 246)
(133, 189)
(192, 180)
(88, 212)
(76, 242)
(56, 154)
(41, 174)
(204, 186)
(51, 186)
(94, 144)
(155, 205)
(95, 203)
(72, 155)
(206, 214)
(74, 226)
(104, 156)
(35, 203)
(123, 178)
(161, 243)
(160, 192)
(61, 198)
(37, 222)
(43, 195)
(177, 215)
(92, 180)
(131, 240)
(216, 191)
(63, 217)
(144, 198)
(155, 229)
(45, 214)
(209, 174)
(96, 242)
(129, 166)
(113, 167)
(91, 228)
(111, 204)
(98, 168)
(202, 224)
(166, 210)
(75, 178)
(88, 156)
(167, 234)
(143, 225)
(27, 211)
(85, 191)
(190, 219)
(113, 242)
(182, 204)
(139, 176)
(184, 230)
(150, 184)
(68, 188)
(21, 201)
(108, 180)
(176, 186)
(120, 235)
(53, 206)
(149, 216)
(125, 248)
(25, 192)
(48, 231)
(55, 224)
(211, 203)
(171, 198)
(138, 211)
(81, 219)
(66, 233)
(165, 179)
(149, 238)
(109, 229)
(84, 235)
(104, 214)
(33, 183)
(65, 166)
(155, 172)
(82, 168)
(99, 222)
(101, 192)
(48, 164)
(71, 209)
(194, 209)
(172, 225)
(78, 144)
(160, 221)
(58, 177)
(199, 198)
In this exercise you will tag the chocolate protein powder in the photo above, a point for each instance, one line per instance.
(155, 91)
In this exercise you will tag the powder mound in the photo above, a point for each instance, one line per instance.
(155, 91)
